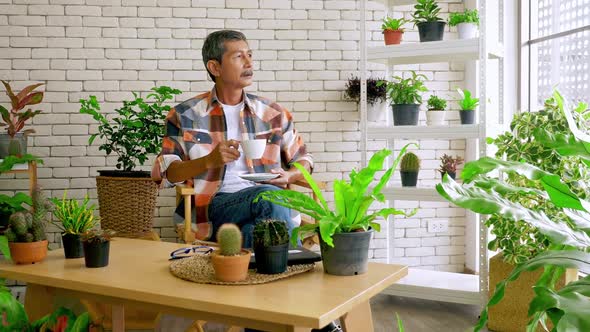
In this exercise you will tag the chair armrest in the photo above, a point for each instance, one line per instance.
(184, 190)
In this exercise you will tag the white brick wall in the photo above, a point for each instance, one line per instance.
(305, 52)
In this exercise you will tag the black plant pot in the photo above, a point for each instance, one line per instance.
(467, 117)
(72, 245)
(4, 220)
(271, 260)
(96, 254)
(405, 114)
(409, 179)
(350, 254)
(451, 174)
(431, 31)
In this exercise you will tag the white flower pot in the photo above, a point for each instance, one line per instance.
(435, 118)
(467, 30)
(376, 112)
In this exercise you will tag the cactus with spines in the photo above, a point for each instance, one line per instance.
(270, 232)
(229, 238)
(18, 223)
(410, 163)
(27, 226)
(10, 235)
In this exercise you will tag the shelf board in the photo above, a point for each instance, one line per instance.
(438, 286)
(412, 194)
(437, 51)
(424, 132)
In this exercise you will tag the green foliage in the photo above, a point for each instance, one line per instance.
(468, 16)
(393, 24)
(12, 204)
(15, 119)
(467, 103)
(436, 103)
(74, 218)
(406, 91)
(29, 226)
(400, 324)
(229, 238)
(352, 200)
(410, 163)
(426, 11)
(449, 164)
(97, 235)
(9, 161)
(376, 92)
(270, 233)
(136, 130)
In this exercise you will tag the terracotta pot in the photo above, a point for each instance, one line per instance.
(28, 252)
(231, 268)
(392, 37)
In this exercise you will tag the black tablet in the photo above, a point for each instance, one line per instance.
(298, 255)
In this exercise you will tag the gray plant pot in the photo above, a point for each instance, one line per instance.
(467, 117)
(405, 114)
(350, 254)
(431, 31)
(12, 146)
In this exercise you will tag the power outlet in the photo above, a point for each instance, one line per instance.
(438, 226)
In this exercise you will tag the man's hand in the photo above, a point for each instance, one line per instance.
(225, 152)
(283, 180)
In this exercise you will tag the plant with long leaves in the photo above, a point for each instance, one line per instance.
(352, 199)
(393, 24)
(406, 90)
(74, 217)
(14, 119)
(467, 103)
(426, 11)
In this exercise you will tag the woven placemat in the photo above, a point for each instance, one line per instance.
(199, 269)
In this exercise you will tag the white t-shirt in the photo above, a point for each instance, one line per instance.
(232, 182)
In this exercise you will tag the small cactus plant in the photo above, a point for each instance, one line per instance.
(27, 226)
(410, 163)
(270, 233)
(229, 238)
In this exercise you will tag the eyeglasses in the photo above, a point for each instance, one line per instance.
(186, 252)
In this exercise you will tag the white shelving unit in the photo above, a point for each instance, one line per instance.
(430, 284)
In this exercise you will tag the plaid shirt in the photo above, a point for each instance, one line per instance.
(196, 126)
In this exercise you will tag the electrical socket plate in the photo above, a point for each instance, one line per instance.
(438, 226)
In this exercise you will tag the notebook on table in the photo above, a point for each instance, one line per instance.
(297, 255)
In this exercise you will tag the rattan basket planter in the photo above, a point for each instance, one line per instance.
(126, 205)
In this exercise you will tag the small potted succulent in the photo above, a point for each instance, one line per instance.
(14, 142)
(10, 205)
(431, 27)
(435, 116)
(96, 244)
(466, 23)
(74, 219)
(230, 261)
(406, 96)
(271, 246)
(449, 165)
(376, 96)
(392, 30)
(408, 169)
(468, 105)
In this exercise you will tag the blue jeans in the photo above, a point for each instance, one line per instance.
(239, 209)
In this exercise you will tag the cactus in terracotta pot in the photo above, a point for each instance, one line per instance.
(230, 262)
(229, 238)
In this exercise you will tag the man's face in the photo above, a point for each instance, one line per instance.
(236, 68)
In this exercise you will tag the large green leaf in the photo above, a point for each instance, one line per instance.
(328, 226)
(12, 313)
(314, 186)
(294, 200)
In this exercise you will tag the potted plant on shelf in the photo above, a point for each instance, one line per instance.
(435, 116)
(127, 196)
(96, 244)
(392, 30)
(406, 96)
(466, 23)
(14, 142)
(468, 105)
(408, 169)
(271, 246)
(74, 219)
(431, 27)
(345, 232)
(10, 205)
(448, 165)
(376, 96)
(230, 261)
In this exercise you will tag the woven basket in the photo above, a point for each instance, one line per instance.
(126, 204)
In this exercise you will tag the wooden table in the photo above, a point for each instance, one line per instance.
(138, 274)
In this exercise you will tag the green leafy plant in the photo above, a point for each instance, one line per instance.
(352, 200)
(410, 163)
(406, 91)
(270, 233)
(436, 103)
(449, 164)
(136, 130)
(468, 16)
(9, 161)
(229, 238)
(467, 103)
(426, 11)
(393, 24)
(74, 218)
(14, 119)
(97, 235)
(29, 226)
(12, 204)
(375, 92)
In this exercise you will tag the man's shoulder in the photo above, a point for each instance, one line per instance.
(198, 101)
(265, 103)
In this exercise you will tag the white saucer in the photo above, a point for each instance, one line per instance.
(259, 177)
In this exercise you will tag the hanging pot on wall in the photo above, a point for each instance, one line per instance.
(405, 114)
(376, 111)
(13, 146)
(431, 31)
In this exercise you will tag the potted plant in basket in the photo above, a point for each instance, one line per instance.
(14, 142)
(10, 205)
(74, 220)
(97, 245)
(230, 261)
(466, 23)
(431, 27)
(408, 169)
(271, 246)
(448, 165)
(132, 134)
(435, 115)
(392, 30)
(468, 105)
(406, 96)
(345, 232)
(376, 96)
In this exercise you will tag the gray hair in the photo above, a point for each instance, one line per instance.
(214, 45)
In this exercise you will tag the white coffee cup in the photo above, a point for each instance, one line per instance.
(254, 148)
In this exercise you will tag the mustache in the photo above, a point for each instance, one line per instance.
(248, 73)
